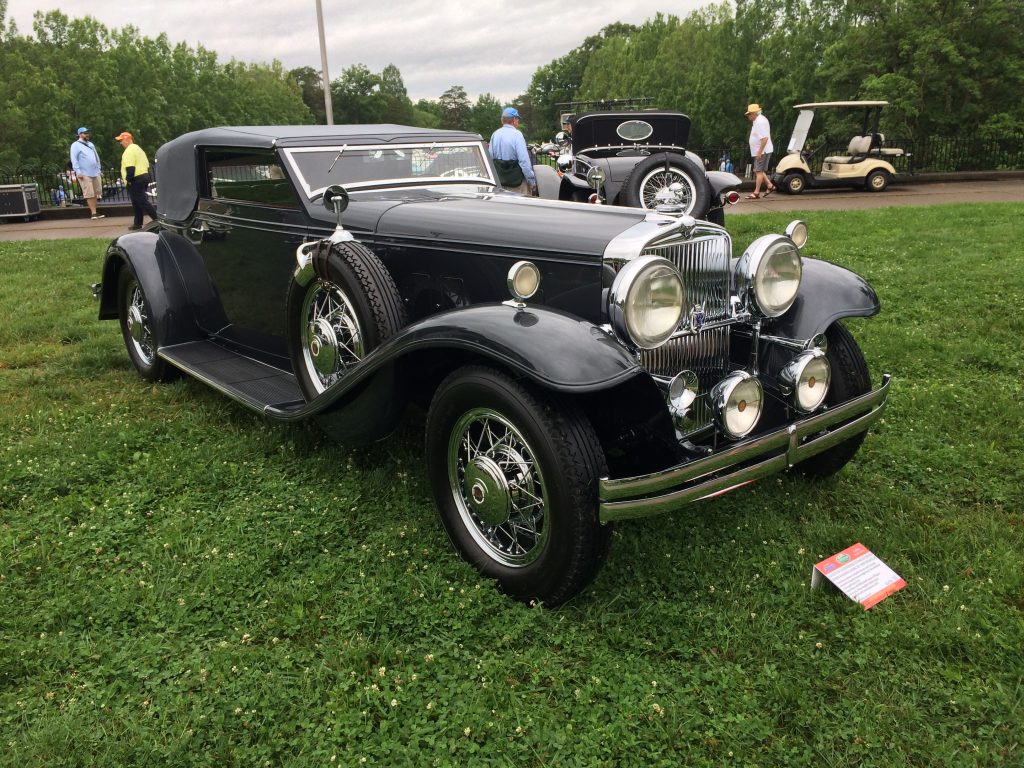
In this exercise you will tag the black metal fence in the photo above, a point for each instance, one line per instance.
(59, 187)
(938, 155)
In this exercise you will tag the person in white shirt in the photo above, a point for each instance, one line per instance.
(761, 150)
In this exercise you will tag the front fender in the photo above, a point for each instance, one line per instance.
(155, 268)
(555, 350)
(828, 293)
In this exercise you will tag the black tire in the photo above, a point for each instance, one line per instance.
(877, 181)
(650, 175)
(850, 378)
(348, 307)
(137, 330)
(528, 446)
(794, 183)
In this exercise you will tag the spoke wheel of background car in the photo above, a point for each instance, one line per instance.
(850, 378)
(340, 315)
(877, 181)
(794, 183)
(137, 329)
(514, 475)
(652, 175)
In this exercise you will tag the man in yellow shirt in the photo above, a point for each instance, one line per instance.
(135, 172)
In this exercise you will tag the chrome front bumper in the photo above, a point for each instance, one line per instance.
(643, 496)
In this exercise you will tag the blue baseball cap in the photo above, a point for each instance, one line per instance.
(510, 112)
(82, 130)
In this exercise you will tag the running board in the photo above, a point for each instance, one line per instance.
(254, 384)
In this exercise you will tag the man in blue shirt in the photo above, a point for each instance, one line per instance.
(508, 148)
(85, 161)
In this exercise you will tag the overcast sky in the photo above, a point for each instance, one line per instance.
(486, 47)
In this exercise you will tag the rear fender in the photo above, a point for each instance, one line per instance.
(172, 276)
(827, 293)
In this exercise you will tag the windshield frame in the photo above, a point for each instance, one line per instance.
(305, 187)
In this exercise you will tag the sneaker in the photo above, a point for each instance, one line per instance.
(99, 216)
(134, 229)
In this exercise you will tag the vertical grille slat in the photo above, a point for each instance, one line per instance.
(703, 260)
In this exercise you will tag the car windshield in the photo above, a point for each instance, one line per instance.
(363, 167)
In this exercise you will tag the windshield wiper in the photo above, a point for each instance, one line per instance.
(337, 157)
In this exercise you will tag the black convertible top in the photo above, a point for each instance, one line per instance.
(177, 160)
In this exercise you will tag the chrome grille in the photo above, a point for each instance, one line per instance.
(703, 261)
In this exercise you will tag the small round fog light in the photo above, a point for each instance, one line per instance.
(797, 232)
(523, 280)
(806, 380)
(737, 401)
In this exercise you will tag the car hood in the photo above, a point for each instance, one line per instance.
(505, 221)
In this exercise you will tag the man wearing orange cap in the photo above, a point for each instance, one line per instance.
(135, 172)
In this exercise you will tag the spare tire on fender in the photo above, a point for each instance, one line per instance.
(340, 307)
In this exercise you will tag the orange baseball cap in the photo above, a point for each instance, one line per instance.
(123, 135)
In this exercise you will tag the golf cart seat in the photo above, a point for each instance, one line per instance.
(859, 146)
(878, 147)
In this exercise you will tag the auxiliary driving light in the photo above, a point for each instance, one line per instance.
(806, 379)
(523, 280)
(736, 402)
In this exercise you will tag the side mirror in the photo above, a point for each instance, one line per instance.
(561, 138)
(336, 199)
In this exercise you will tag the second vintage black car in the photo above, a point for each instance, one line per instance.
(579, 364)
(635, 158)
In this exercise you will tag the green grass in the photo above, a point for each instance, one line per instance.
(182, 583)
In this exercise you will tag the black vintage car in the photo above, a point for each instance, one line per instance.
(579, 364)
(635, 158)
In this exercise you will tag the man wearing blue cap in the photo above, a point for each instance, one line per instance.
(508, 148)
(85, 161)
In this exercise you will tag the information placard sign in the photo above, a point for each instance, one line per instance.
(859, 574)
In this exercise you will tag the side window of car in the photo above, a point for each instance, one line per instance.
(250, 176)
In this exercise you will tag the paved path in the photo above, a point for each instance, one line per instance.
(932, 193)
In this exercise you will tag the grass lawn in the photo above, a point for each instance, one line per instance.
(183, 583)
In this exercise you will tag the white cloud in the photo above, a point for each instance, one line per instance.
(491, 47)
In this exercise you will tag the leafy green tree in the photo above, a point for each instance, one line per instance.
(397, 108)
(311, 87)
(455, 108)
(486, 115)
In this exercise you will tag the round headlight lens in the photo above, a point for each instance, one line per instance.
(771, 269)
(523, 280)
(737, 401)
(807, 379)
(646, 301)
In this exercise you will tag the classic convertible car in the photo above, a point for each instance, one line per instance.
(579, 364)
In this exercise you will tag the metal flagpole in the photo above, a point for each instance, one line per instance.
(325, 78)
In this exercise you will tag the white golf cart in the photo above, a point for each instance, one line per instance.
(867, 162)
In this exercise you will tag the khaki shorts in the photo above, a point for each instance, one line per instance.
(91, 186)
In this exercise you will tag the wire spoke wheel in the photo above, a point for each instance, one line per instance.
(661, 180)
(140, 331)
(332, 339)
(498, 487)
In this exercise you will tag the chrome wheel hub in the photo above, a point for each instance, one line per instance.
(135, 327)
(332, 340)
(498, 488)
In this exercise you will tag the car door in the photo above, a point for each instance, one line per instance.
(247, 225)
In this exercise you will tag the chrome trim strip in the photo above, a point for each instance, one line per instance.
(627, 498)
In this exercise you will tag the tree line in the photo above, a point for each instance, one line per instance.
(947, 67)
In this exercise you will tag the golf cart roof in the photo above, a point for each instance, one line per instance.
(817, 104)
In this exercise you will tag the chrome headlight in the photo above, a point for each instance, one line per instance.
(768, 273)
(646, 301)
(523, 280)
(806, 380)
(736, 402)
